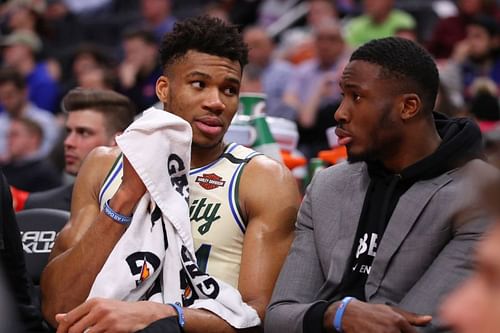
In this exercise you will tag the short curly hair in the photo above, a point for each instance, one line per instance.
(405, 61)
(203, 34)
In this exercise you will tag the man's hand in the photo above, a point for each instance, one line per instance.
(375, 318)
(106, 315)
(130, 191)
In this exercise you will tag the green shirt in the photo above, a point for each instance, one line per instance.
(362, 29)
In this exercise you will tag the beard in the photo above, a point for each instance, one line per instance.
(384, 139)
(368, 155)
(210, 145)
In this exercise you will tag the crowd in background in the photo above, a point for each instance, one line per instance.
(297, 52)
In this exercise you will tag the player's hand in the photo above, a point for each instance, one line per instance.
(131, 184)
(106, 315)
(376, 318)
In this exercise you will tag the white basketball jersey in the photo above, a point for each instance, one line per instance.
(216, 220)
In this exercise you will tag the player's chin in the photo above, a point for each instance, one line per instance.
(207, 143)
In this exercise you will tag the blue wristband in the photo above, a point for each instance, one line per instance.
(180, 313)
(115, 216)
(337, 320)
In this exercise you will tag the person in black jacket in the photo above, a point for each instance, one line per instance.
(13, 266)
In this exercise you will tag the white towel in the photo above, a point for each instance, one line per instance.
(154, 259)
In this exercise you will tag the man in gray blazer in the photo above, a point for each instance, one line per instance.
(387, 234)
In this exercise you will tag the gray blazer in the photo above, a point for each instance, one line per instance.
(426, 250)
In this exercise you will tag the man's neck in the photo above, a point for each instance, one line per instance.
(201, 156)
(410, 152)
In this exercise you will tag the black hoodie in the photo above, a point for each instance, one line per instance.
(461, 142)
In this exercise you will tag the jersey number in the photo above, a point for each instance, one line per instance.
(202, 256)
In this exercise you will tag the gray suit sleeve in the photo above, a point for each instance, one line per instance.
(451, 267)
(300, 278)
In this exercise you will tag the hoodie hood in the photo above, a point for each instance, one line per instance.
(461, 142)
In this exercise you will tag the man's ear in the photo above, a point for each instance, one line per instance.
(411, 105)
(162, 85)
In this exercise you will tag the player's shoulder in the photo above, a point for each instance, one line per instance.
(265, 165)
(97, 165)
(265, 172)
(103, 153)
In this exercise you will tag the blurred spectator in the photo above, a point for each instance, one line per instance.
(319, 12)
(475, 306)
(379, 19)
(94, 118)
(484, 106)
(297, 44)
(23, 139)
(407, 33)
(24, 15)
(274, 73)
(157, 17)
(242, 12)
(61, 8)
(19, 50)
(139, 70)
(492, 146)
(97, 78)
(446, 105)
(216, 9)
(14, 99)
(313, 91)
(251, 80)
(183, 9)
(26, 170)
(271, 10)
(87, 7)
(474, 58)
(90, 67)
(450, 30)
(13, 268)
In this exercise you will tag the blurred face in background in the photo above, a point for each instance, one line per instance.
(139, 53)
(12, 98)
(320, 11)
(470, 7)
(85, 130)
(16, 55)
(480, 42)
(329, 43)
(260, 46)
(378, 9)
(84, 62)
(155, 10)
(21, 142)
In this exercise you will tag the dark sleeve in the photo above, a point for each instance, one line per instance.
(13, 265)
(313, 319)
(165, 325)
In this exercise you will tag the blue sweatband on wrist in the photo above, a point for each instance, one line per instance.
(115, 216)
(337, 320)
(180, 313)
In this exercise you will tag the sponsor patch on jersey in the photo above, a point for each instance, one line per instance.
(209, 181)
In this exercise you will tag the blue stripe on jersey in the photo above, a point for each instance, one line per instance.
(229, 149)
(232, 204)
(232, 194)
(109, 181)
